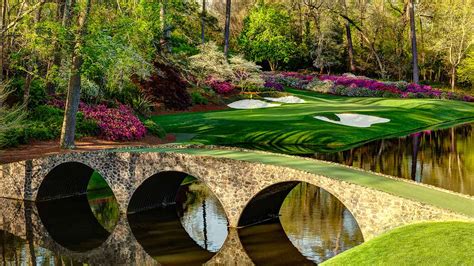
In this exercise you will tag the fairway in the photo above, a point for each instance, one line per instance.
(294, 124)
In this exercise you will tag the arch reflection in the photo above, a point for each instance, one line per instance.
(311, 226)
(177, 220)
(76, 207)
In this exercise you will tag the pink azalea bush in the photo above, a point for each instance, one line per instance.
(221, 87)
(114, 123)
(365, 87)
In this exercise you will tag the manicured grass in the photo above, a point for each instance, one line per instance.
(443, 243)
(435, 197)
(293, 124)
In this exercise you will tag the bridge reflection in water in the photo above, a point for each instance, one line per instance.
(190, 230)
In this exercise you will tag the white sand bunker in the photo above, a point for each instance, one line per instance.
(251, 104)
(355, 120)
(287, 99)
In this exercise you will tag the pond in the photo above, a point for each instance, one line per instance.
(443, 158)
(312, 225)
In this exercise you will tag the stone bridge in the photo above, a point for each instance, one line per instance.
(250, 185)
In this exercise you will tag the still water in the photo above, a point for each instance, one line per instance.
(312, 227)
(442, 158)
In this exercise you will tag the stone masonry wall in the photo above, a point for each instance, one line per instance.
(233, 182)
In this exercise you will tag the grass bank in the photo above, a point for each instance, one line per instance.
(442, 243)
(294, 124)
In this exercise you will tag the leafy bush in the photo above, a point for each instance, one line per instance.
(154, 129)
(11, 120)
(273, 85)
(210, 62)
(45, 123)
(221, 87)
(115, 123)
(246, 74)
(167, 85)
(142, 104)
(365, 87)
(320, 86)
(198, 98)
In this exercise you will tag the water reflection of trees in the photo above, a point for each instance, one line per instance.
(202, 216)
(317, 223)
(442, 158)
(16, 251)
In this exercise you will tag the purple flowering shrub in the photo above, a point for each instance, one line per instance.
(273, 85)
(288, 79)
(114, 123)
(365, 87)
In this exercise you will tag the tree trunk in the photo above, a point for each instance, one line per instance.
(74, 86)
(227, 26)
(453, 77)
(27, 86)
(414, 49)
(350, 48)
(165, 41)
(203, 22)
(3, 20)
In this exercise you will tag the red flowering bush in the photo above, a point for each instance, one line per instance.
(115, 123)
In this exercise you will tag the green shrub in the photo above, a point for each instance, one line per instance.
(86, 127)
(198, 98)
(45, 123)
(142, 104)
(154, 128)
(12, 137)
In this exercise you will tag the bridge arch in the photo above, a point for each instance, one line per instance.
(264, 220)
(64, 209)
(66, 179)
(266, 203)
(154, 217)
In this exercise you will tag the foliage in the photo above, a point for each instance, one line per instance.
(168, 86)
(288, 79)
(266, 35)
(322, 86)
(246, 74)
(153, 128)
(115, 123)
(44, 123)
(365, 87)
(273, 85)
(198, 98)
(11, 119)
(210, 62)
(466, 69)
(452, 239)
(221, 87)
(142, 104)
